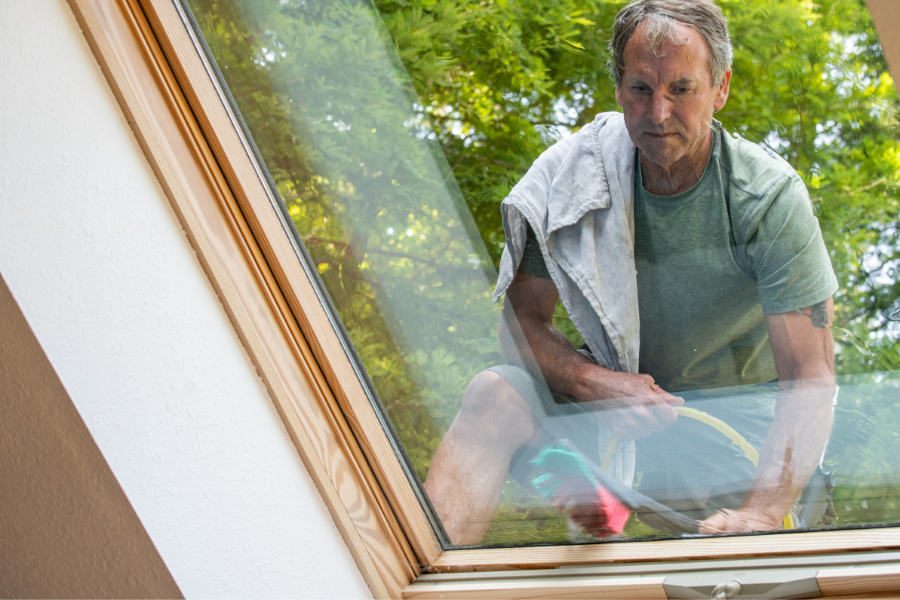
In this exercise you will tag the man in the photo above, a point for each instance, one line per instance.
(717, 242)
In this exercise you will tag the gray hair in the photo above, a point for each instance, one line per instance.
(661, 17)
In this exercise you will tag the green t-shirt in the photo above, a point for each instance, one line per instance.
(703, 297)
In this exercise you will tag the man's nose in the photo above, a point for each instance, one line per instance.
(660, 109)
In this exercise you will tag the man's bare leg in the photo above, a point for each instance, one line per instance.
(471, 464)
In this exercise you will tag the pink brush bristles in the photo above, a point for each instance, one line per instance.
(596, 510)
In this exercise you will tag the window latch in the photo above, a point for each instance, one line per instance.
(726, 591)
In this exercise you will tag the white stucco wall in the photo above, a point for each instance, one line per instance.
(104, 274)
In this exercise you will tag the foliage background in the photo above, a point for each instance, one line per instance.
(369, 117)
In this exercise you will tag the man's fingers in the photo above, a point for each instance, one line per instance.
(669, 398)
(645, 410)
(672, 400)
(648, 418)
(714, 524)
(737, 521)
(662, 411)
(667, 414)
(667, 411)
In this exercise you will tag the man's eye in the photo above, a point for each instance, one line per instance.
(641, 88)
(680, 90)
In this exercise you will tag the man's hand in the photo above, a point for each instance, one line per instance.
(630, 406)
(742, 520)
(760, 511)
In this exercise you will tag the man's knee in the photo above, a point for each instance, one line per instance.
(492, 401)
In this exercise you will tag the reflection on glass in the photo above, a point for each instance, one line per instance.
(689, 384)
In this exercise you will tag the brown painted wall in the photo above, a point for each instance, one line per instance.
(886, 16)
(66, 528)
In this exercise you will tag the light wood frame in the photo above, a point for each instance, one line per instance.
(188, 133)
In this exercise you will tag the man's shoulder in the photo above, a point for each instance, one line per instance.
(752, 169)
(571, 178)
(762, 185)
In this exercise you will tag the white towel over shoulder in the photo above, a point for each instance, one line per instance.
(578, 198)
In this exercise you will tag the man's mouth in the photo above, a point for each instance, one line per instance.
(661, 135)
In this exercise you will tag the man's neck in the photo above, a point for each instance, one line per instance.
(679, 176)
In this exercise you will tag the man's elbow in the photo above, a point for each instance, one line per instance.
(807, 376)
(809, 389)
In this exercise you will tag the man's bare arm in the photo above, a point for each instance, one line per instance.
(804, 358)
(638, 407)
(531, 300)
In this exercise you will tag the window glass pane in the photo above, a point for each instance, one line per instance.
(723, 294)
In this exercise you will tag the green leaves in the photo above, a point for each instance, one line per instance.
(809, 82)
(368, 120)
(504, 67)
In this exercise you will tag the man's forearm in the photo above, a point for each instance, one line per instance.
(803, 349)
(793, 447)
(548, 351)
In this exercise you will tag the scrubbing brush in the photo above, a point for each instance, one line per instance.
(597, 502)
(568, 482)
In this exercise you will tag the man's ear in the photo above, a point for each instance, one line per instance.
(618, 99)
(722, 91)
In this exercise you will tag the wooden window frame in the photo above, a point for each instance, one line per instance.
(183, 122)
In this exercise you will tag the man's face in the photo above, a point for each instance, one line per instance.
(669, 100)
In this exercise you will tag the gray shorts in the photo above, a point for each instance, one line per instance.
(690, 466)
